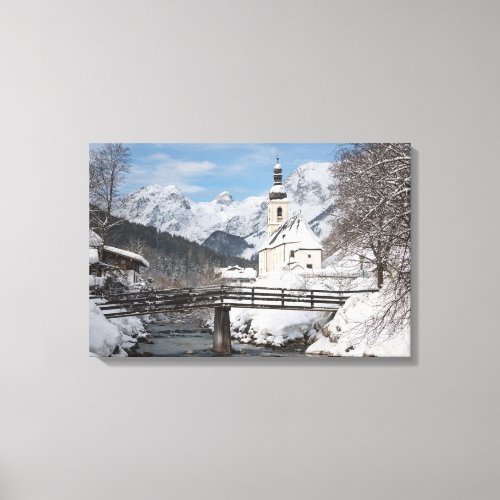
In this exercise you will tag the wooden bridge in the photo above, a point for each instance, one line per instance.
(222, 298)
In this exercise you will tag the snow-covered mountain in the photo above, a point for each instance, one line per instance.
(168, 209)
(308, 190)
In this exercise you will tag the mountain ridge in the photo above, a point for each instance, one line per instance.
(169, 210)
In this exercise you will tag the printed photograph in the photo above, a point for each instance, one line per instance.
(250, 250)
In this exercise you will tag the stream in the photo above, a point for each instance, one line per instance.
(186, 338)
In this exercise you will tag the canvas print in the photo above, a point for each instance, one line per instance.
(250, 250)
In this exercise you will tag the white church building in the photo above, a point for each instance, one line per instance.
(291, 243)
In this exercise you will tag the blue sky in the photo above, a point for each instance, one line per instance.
(202, 171)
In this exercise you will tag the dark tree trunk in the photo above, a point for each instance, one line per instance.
(380, 275)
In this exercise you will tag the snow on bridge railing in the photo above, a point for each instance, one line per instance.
(231, 287)
(150, 302)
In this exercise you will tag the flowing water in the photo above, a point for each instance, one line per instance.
(187, 338)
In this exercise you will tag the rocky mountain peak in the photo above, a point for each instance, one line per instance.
(168, 209)
(224, 198)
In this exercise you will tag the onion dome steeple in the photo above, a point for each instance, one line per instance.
(277, 192)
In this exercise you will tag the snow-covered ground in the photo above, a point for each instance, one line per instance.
(112, 337)
(272, 326)
(277, 327)
(349, 333)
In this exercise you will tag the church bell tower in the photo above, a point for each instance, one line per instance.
(277, 208)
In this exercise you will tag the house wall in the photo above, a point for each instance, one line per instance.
(271, 258)
(131, 275)
(302, 257)
(96, 281)
(130, 267)
(262, 261)
(115, 260)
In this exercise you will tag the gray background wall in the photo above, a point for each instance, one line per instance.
(263, 71)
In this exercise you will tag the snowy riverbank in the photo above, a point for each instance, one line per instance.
(113, 337)
(279, 327)
(274, 327)
(351, 333)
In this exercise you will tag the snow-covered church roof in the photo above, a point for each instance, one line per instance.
(278, 188)
(125, 253)
(294, 230)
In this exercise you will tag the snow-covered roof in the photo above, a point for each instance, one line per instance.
(294, 230)
(126, 253)
(94, 239)
(277, 192)
(93, 256)
(237, 272)
(278, 188)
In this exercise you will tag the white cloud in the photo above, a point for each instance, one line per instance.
(161, 161)
(190, 188)
(259, 156)
(188, 168)
(157, 156)
(191, 176)
(160, 168)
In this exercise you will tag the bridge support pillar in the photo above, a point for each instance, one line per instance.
(222, 330)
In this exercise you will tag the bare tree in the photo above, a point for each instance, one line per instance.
(107, 168)
(373, 215)
(136, 245)
(93, 174)
(372, 210)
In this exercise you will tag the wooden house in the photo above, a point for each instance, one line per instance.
(104, 257)
(129, 262)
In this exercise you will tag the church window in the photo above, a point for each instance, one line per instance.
(309, 255)
(280, 213)
(309, 266)
(292, 253)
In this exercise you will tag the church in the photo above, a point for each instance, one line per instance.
(290, 242)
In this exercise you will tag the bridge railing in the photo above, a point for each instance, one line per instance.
(156, 301)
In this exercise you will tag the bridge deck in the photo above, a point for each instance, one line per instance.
(161, 301)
